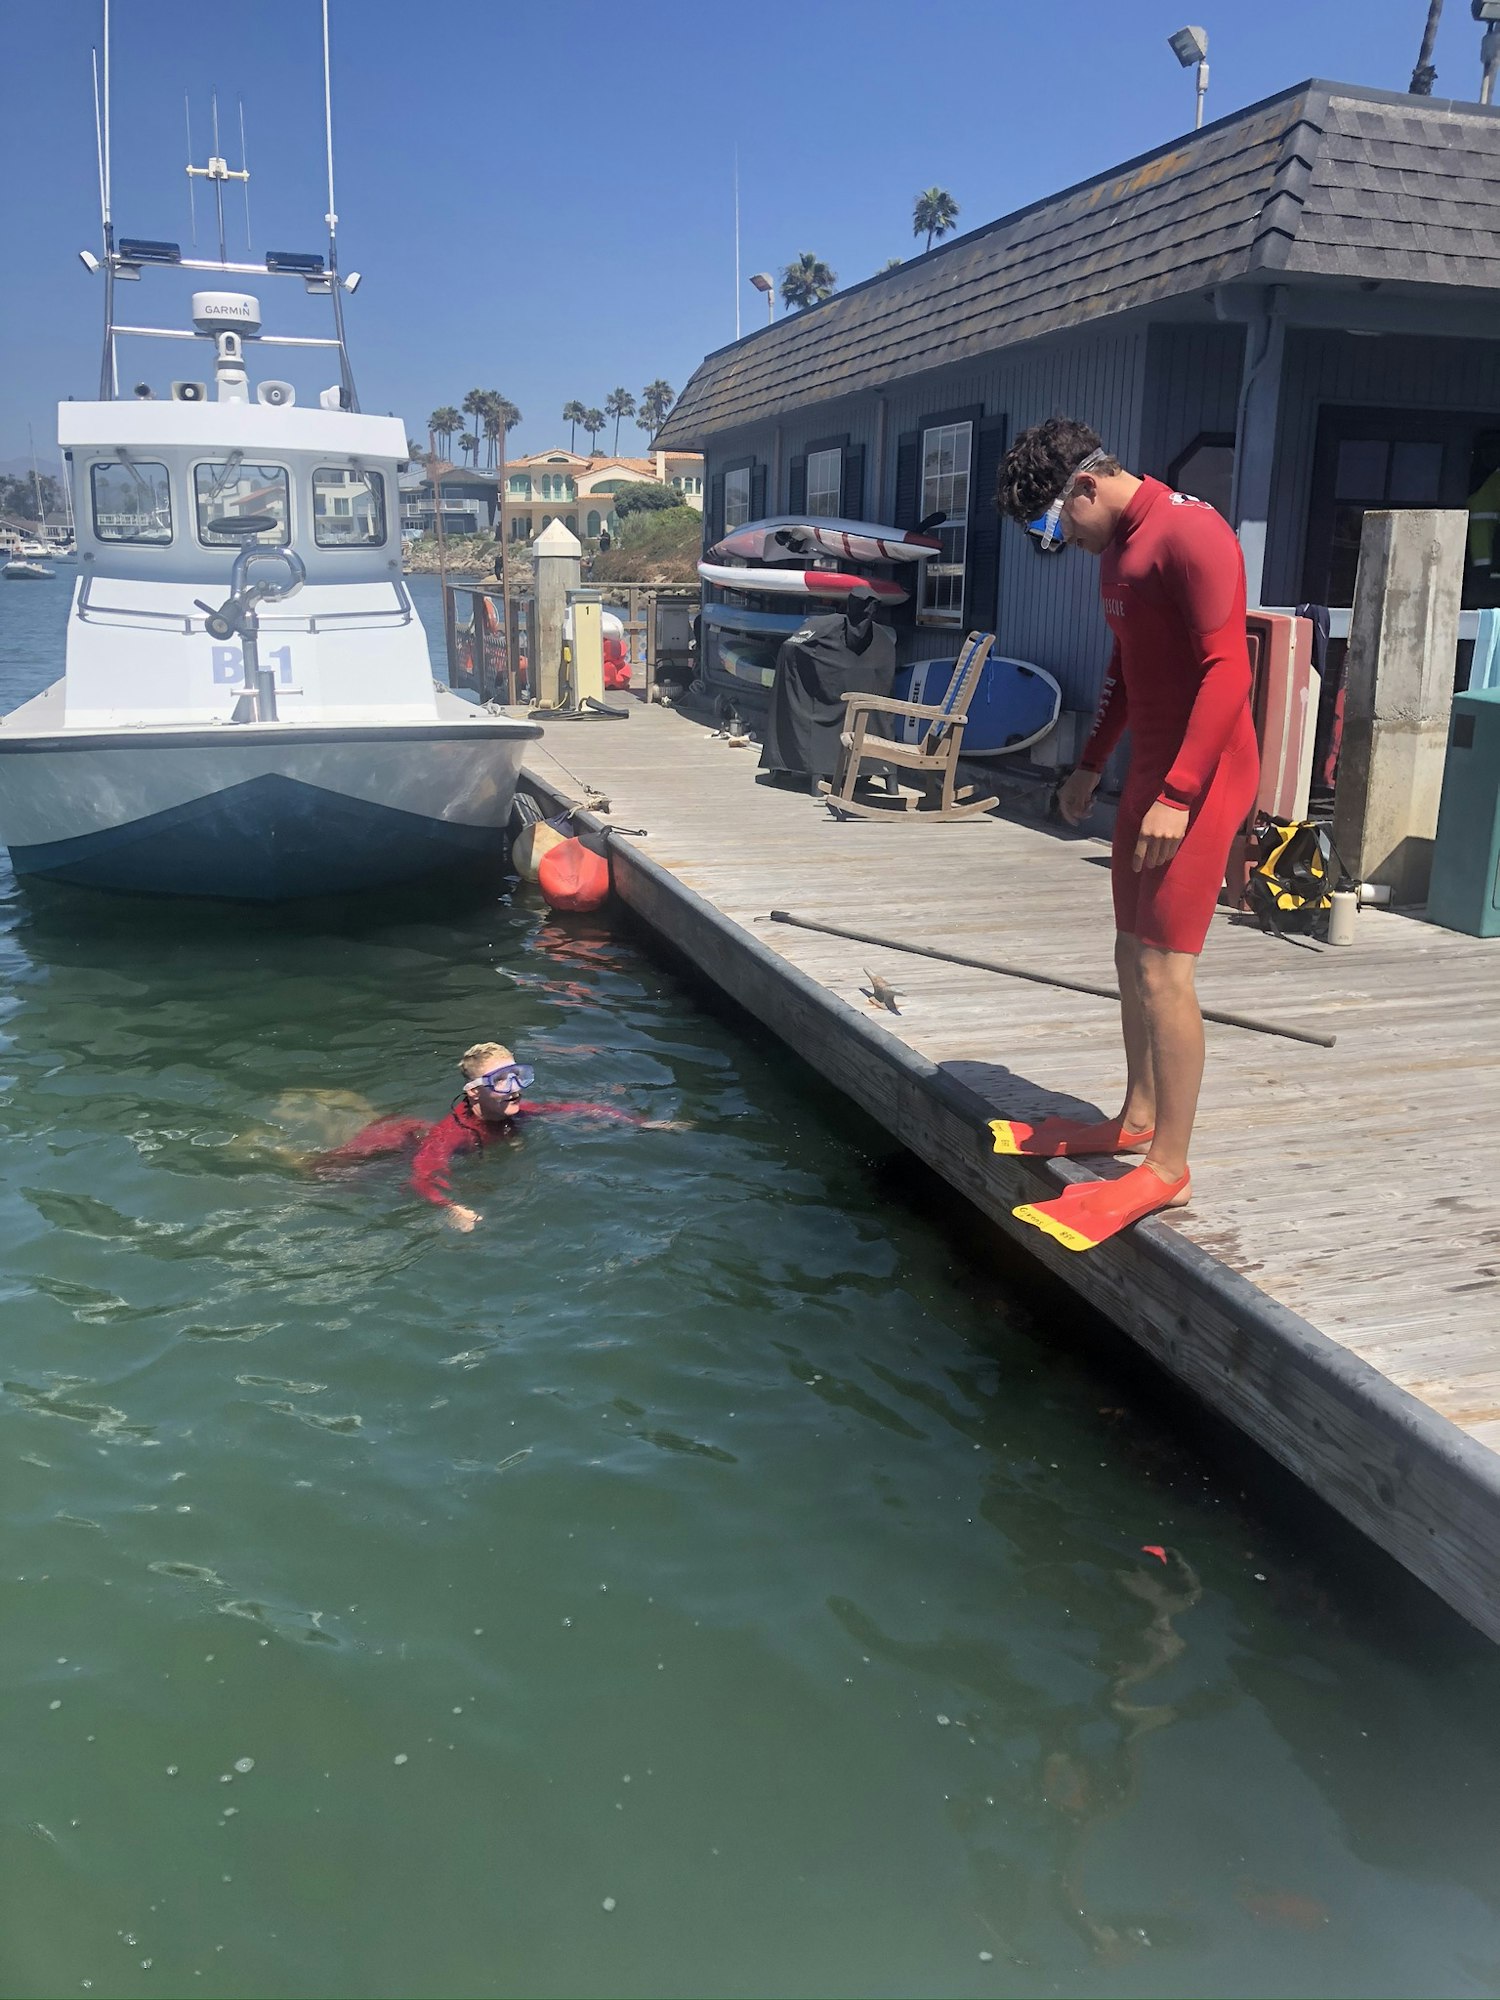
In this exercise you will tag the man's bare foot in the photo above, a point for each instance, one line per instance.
(461, 1218)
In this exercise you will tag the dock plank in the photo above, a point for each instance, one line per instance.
(1353, 1191)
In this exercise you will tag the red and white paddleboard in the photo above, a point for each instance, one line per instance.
(799, 582)
(855, 541)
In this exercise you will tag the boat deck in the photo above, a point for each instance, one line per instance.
(1335, 1286)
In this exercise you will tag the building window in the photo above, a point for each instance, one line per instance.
(946, 453)
(519, 486)
(573, 523)
(736, 497)
(1206, 470)
(825, 473)
(593, 522)
(232, 490)
(348, 508)
(132, 501)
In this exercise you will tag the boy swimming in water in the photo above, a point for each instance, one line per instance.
(490, 1106)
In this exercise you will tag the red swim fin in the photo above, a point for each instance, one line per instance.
(1066, 1138)
(1090, 1212)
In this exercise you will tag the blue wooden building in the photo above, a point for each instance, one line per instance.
(1294, 313)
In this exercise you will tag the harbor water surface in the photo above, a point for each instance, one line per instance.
(703, 1578)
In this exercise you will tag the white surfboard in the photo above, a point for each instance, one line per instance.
(800, 582)
(857, 541)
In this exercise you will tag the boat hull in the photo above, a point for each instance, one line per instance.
(271, 817)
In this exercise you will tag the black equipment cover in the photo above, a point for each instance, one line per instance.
(814, 668)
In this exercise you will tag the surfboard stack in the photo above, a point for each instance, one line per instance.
(782, 571)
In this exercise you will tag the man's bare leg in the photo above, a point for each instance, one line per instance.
(1174, 1031)
(1139, 1114)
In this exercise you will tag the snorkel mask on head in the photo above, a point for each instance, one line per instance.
(1046, 531)
(508, 1080)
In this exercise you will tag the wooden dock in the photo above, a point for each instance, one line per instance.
(1335, 1287)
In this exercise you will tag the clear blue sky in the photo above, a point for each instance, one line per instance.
(539, 198)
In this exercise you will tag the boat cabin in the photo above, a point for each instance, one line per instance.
(168, 493)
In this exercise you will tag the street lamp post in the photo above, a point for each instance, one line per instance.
(1488, 12)
(1190, 46)
(764, 282)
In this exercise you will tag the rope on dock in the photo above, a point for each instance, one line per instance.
(1253, 1023)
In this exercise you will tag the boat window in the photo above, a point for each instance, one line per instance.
(736, 496)
(232, 490)
(132, 501)
(348, 508)
(825, 476)
(945, 490)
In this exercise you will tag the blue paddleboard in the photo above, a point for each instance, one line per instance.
(1012, 705)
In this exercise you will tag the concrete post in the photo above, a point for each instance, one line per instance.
(1398, 690)
(558, 558)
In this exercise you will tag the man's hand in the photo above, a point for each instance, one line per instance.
(460, 1218)
(1160, 836)
(1075, 797)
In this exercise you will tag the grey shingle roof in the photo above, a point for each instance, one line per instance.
(1325, 180)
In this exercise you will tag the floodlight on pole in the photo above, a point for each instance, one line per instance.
(764, 282)
(1190, 46)
(1488, 13)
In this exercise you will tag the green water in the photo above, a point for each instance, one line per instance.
(707, 1577)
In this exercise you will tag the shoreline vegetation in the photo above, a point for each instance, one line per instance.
(656, 547)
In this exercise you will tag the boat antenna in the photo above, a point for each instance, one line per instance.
(187, 113)
(736, 242)
(218, 183)
(346, 373)
(245, 170)
(108, 375)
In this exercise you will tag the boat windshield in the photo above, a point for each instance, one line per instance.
(132, 501)
(348, 507)
(231, 490)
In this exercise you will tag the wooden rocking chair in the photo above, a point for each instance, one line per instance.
(933, 758)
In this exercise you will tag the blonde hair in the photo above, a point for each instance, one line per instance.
(483, 1057)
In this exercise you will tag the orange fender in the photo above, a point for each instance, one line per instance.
(573, 877)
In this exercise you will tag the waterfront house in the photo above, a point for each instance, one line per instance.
(1292, 313)
(579, 490)
(469, 501)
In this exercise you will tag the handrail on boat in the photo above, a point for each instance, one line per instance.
(402, 613)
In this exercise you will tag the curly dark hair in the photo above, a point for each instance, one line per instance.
(1037, 466)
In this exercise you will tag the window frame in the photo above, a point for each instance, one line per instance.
(732, 470)
(110, 540)
(947, 618)
(228, 542)
(376, 484)
(832, 448)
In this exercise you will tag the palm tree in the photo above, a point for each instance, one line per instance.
(473, 409)
(594, 422)
(808, 282)
(656, 399)
(443, 423)
(619, 403)
(468, 444)
(934, 211)
(500, 414)
(573, 415)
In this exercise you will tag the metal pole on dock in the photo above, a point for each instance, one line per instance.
(1248, 1021)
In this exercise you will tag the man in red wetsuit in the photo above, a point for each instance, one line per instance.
(1172, 583)
(490, 1106)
